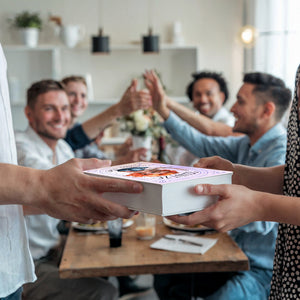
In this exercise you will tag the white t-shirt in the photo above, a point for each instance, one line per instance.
(224, 116)
(16, 265)
(33, 152)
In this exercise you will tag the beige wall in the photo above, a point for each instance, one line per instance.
(211, 24)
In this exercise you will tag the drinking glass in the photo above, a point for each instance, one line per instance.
(145, 226)
(115, 232)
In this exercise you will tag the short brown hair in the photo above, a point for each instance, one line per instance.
(42, 87)
(68, 79)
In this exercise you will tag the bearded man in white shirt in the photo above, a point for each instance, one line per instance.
(41, 146)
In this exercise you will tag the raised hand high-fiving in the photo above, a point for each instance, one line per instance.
(134, 99)
(159, 99)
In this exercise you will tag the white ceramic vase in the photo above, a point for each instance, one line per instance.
(29, 37)
(72, 34)
(143, 142)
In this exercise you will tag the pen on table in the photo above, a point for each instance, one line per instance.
(183, 241)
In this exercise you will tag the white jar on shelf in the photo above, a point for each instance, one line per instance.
(178, 38)
(30, 36)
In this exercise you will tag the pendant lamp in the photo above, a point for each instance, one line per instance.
(150, 42)
(100, 43)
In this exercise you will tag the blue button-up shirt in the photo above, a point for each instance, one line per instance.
(257, 239)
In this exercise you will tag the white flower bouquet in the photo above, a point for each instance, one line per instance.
(143, 123)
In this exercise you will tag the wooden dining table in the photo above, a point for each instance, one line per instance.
(87, 254)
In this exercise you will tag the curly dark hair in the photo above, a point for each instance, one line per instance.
(270, 88)
(218, 77)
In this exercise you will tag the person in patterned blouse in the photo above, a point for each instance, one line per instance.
(269, 194)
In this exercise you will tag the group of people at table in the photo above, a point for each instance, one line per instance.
(51, 185)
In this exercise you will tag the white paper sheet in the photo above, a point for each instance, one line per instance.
(178, 244)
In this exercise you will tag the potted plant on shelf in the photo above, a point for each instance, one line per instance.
(29, 25)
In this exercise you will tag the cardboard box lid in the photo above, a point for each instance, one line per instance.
(155, 173)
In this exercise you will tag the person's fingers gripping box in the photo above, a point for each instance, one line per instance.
(168, 189)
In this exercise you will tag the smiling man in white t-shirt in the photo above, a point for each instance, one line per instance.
(42, 146)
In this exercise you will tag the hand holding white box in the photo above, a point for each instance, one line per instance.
(168, 189)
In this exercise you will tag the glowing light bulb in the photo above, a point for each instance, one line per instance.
(248, 35)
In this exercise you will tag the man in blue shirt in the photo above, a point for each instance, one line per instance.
(261, 103)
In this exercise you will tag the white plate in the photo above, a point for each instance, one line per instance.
(128, 223)
(102, 227)
(183, 227)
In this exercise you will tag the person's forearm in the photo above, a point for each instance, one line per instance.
(95, 125)
(200, 122)
(30, 210)
(19, 185)
(164, 112)
(278, 208)
(268, 180)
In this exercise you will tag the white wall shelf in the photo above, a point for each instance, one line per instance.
(25, 48)
(130, 46)
(111, 74)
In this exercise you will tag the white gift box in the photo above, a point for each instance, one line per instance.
(168, 189)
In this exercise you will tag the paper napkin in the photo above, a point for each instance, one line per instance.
(184, 243)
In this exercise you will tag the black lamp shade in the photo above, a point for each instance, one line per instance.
(151, 43)
(100, 44)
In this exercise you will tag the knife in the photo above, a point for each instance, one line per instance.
(182, 241)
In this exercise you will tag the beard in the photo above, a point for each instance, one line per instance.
(246, 128)
(49, 135)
